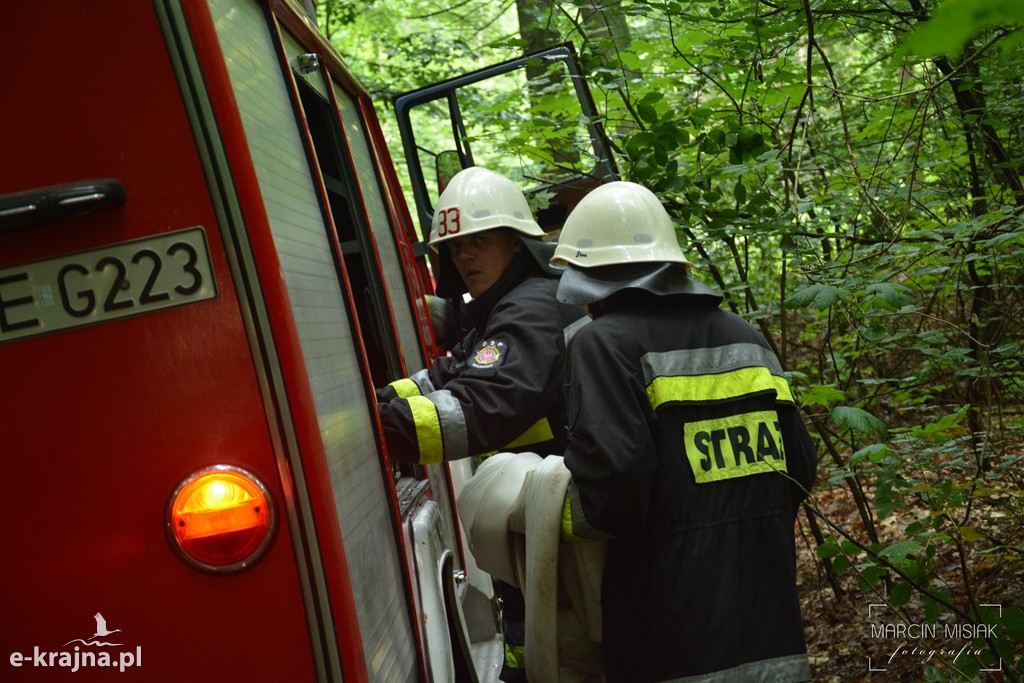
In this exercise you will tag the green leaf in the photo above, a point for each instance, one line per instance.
(825, 296)
(869, 576)
(690, 39)
(646, 112)
(897, 552)
(849, 547)
(822, 395)
(1005, 238)
(931, 609)
(876, 332)
(828, 549)
(893, 296)
(1012, 621)
(740, 192)
(900, 594)
(848, 417)
(954, 22)
(942, 428)
(876, 453)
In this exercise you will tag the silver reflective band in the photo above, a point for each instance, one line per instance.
(453, 424)
(422, 380)
(569, 331)
(707, 360)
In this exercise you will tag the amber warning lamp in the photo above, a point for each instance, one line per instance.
(221, 519)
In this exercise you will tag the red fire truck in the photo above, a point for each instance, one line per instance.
(206, 266)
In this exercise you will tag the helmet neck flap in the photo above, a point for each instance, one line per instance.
(583, 286)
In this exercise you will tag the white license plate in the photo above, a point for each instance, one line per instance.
(116, 281)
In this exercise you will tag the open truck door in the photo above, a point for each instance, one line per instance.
(531, 118)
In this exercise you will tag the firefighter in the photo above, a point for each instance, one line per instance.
(500, 388)
(687, 454)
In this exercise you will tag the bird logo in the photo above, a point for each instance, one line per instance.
(101, 626)
(101, 632)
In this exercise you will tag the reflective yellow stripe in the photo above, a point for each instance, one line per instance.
(734, 446)
(567, 535)
(428, 429)
(515, 656)
(724, 385)
(405, 388)
(539, 432)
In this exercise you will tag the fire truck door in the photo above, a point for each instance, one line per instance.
(341, 155)
(130, 367)
(555, 146)
(326, 262)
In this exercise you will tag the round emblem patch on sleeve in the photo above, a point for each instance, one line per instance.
(489, 353)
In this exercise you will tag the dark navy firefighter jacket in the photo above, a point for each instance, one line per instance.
(687, 451)
(499, 389)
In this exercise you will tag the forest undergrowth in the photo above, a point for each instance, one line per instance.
(852, 623)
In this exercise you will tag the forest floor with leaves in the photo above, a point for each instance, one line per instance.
(840, 640)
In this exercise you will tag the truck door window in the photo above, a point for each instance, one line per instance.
(373, 192)
(345, 204)
(528, 133)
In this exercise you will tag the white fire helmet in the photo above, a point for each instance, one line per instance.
(477, 199)
(618, 223)
(620, 237)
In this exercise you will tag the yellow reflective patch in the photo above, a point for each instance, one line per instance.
(428, 429)
(735, 446)
(724, 385)
(515, 656)
(567, 535)
(539, 432)
(405, 388)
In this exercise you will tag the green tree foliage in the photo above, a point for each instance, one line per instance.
(849, 173)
